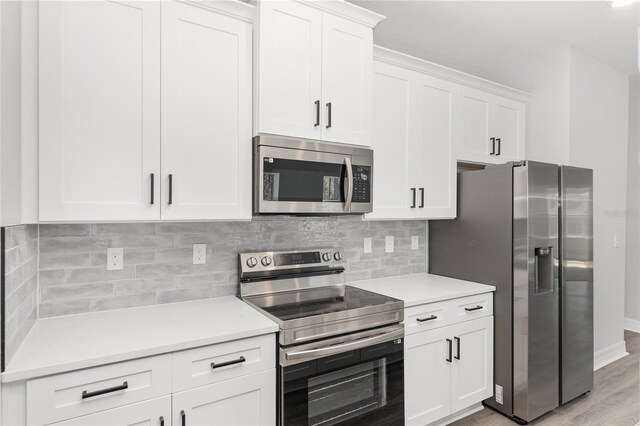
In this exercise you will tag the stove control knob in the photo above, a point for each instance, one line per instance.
(337, 255)
(266, 261)
(326, 257)
(251, 262)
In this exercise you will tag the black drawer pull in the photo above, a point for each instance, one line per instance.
(432, 317)
(161, 421)
(123, 386)
(458, 348)
(473, 309)
(152, 188)
(450, 343)
(184, 418)
(170, 188)
(224, 364)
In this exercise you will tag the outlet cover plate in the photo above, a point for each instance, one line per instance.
(388, 244)
(115, 259)
(367, 245)
(415, 242)
(199, 254)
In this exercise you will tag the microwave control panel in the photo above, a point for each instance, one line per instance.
(361, 184)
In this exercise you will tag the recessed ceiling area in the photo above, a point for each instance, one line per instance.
(477, 36)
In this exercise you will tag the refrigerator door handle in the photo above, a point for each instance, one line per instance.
(544, 270)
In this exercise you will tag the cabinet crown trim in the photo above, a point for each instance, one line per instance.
(348, 11)
(393, 57)
(234, 8)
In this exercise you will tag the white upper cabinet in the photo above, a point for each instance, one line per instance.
(99, 111)
(314, 70)
(206, 114)
(108, 151)
(492, 127)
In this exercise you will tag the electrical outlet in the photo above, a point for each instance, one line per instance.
(115, 259)
(199, 254)
(616, 243)
(367, 245)
(388, 244)
(414, 242)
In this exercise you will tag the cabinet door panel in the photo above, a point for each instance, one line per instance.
(99, 110)
(244, 401)
(147, 413)
(472, 374)
(475, 125)
(347, 67)
(206, 110)
(437, 127)
(393, 102)
(289, 69)
(427, 376)
(508, 125)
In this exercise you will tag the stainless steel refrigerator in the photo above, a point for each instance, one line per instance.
(527, 228)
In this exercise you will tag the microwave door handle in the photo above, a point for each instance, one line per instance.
(349, 181)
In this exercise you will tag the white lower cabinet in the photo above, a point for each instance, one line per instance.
(153, 412)
(245, 401)
(447, 369)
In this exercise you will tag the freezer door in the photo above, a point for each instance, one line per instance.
(576, 281)
(536, 327)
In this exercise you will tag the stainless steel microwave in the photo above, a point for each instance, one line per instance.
(301, 176)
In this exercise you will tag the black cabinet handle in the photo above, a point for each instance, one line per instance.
(183, 416)
(450, 343)
(317, 113)
(493, 146)
(421, 198)
(432, 317)
(152, 187)
(473, 309)
(161, 421)
(86, 394)
(224, 364)
(413, 196)
(328, 115)
(457, 348)
(170, 188)
(499, 146)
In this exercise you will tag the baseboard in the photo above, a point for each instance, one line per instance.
(610, 354)
(459, 415)
(632, 325)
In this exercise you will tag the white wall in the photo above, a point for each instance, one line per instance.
(599, 114)
(632, 293)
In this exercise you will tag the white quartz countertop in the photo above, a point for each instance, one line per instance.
(72, 342)
(419, 289)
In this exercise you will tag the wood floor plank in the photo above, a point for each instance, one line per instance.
(614, 400)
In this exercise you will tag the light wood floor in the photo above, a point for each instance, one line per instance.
(614, 400)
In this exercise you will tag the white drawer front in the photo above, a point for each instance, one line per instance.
(194, 367)
(60, 397)
(427, 317)
(472, 307)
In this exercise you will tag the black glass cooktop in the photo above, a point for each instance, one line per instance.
(325, 300)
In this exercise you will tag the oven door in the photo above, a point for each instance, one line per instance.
(358, 387)
(303, 181)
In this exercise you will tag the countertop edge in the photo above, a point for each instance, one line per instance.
(418, 302)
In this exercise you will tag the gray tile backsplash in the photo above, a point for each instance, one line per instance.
(158, 257)
(21, 284)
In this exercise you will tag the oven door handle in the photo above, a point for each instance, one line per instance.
(349, 190)
(343, 347)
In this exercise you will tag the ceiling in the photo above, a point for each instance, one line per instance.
(475, 36)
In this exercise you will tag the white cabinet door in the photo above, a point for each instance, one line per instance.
(245, 401)
(427, 376)
(289, 67)
(99, 110)
(154, 412)
(475, 126)
(393, 142)
(437, 126)
(508, 129)
(206, 114)
(472, 368)
(347, 69)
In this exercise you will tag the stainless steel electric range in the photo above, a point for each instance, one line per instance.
(340, 348)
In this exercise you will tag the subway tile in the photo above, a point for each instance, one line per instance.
(19, 255)
(142, 285)
(229, 227)
(95, 274)
(183, 227)
(188, 240)
(184, 294)
(226, 290)
(357, 275)
(280, 225)
(65, 260)
(131, 256)
(65, 230)
(19, 234)
(163, 269)
(123, 229)
(142, 241)
(123, 301)
(174, 255)
(76, 291)
(18, 276)
(184, 281)
(412, 269)
(52, 277)
(73, 244)
(63, 307)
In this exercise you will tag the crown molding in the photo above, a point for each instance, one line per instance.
(234, 8)
(346, 10)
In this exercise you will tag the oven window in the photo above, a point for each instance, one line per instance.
(303, 181)
(344, 394)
